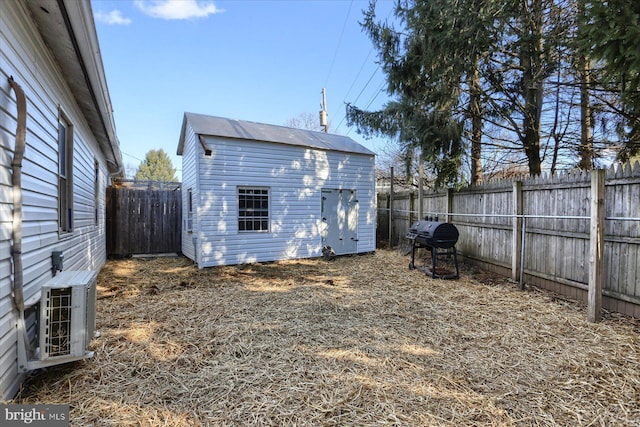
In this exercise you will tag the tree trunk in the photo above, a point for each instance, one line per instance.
(532, 83)
(475, 111)
(586, 139)
(554, 130)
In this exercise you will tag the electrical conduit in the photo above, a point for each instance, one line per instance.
(16, 182)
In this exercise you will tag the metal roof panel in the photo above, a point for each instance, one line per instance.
(241, 129)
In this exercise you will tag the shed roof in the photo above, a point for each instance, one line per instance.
(240, 129)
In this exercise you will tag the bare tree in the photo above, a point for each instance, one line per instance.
(309, 121)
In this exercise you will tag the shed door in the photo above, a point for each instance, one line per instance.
(340, 220)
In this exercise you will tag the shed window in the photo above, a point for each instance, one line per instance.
(189, 221)
(253, 209)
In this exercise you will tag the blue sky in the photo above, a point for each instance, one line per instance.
(263, 61)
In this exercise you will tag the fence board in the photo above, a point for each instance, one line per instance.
(556, 249)
(143, 221)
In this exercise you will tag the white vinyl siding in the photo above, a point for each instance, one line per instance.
(190, 160)
(25, 57)
(295, 176)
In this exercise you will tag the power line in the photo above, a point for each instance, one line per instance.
(133, 157)
(335, 53)
(361, 68)
(361, 91)
(141, 161)
(344, 101)
(375, 95)
(358, 75)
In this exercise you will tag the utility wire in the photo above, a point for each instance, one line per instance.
(133, 157)
(335, 53)
(375, 94)
(344, 101)
(361, 91)
(141, 161)
(373, 98)
(357, 75)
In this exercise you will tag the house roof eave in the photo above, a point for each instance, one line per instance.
(68, 29)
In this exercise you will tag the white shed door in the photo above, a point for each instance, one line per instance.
(339, 228)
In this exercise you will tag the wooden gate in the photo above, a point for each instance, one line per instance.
(143, 221)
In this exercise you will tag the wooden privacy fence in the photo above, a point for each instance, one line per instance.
(143, 221)
(563, 233)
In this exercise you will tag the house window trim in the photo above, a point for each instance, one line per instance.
(65, 177)
(240, 218)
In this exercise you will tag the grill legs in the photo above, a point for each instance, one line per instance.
(433, 270)
(442, 274)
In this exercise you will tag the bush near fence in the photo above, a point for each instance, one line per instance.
(556, 213)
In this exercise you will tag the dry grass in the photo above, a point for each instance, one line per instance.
(357, 341)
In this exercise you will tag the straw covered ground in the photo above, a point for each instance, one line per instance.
(359, 341)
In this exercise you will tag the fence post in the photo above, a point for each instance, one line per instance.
(391, 210)
(596, 245)
(412, 206)
(449, 208)
(517, 248)
(420, 188)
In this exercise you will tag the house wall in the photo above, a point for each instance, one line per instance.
(295, 176)
(25, 57)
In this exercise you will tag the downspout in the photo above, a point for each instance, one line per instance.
(16, 182)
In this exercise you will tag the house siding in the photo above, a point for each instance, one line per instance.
(25, 57)
(295, 176)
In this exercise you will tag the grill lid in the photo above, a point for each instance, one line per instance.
(435, 234)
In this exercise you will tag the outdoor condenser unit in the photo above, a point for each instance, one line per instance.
(67, 320)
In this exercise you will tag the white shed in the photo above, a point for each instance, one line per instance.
(58, 150)
(255, 192)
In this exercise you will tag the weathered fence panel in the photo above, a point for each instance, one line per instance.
(484, 234)
(556, 219)
(143, 221)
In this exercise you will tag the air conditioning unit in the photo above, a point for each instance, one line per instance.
(67, 319)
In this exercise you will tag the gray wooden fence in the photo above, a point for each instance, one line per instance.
(551, 216)
(143, 221)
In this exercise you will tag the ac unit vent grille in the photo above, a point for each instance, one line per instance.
(67, 321)
(67, 316)
(58, 309)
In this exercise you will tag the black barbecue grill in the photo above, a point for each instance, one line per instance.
(440, 239)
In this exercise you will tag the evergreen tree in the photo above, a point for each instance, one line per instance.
(507, 84)
(156, 166)
(431, 63)
(610, 33)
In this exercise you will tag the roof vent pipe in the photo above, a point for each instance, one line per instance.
(16, 182)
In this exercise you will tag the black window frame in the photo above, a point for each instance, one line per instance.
(254, 209)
